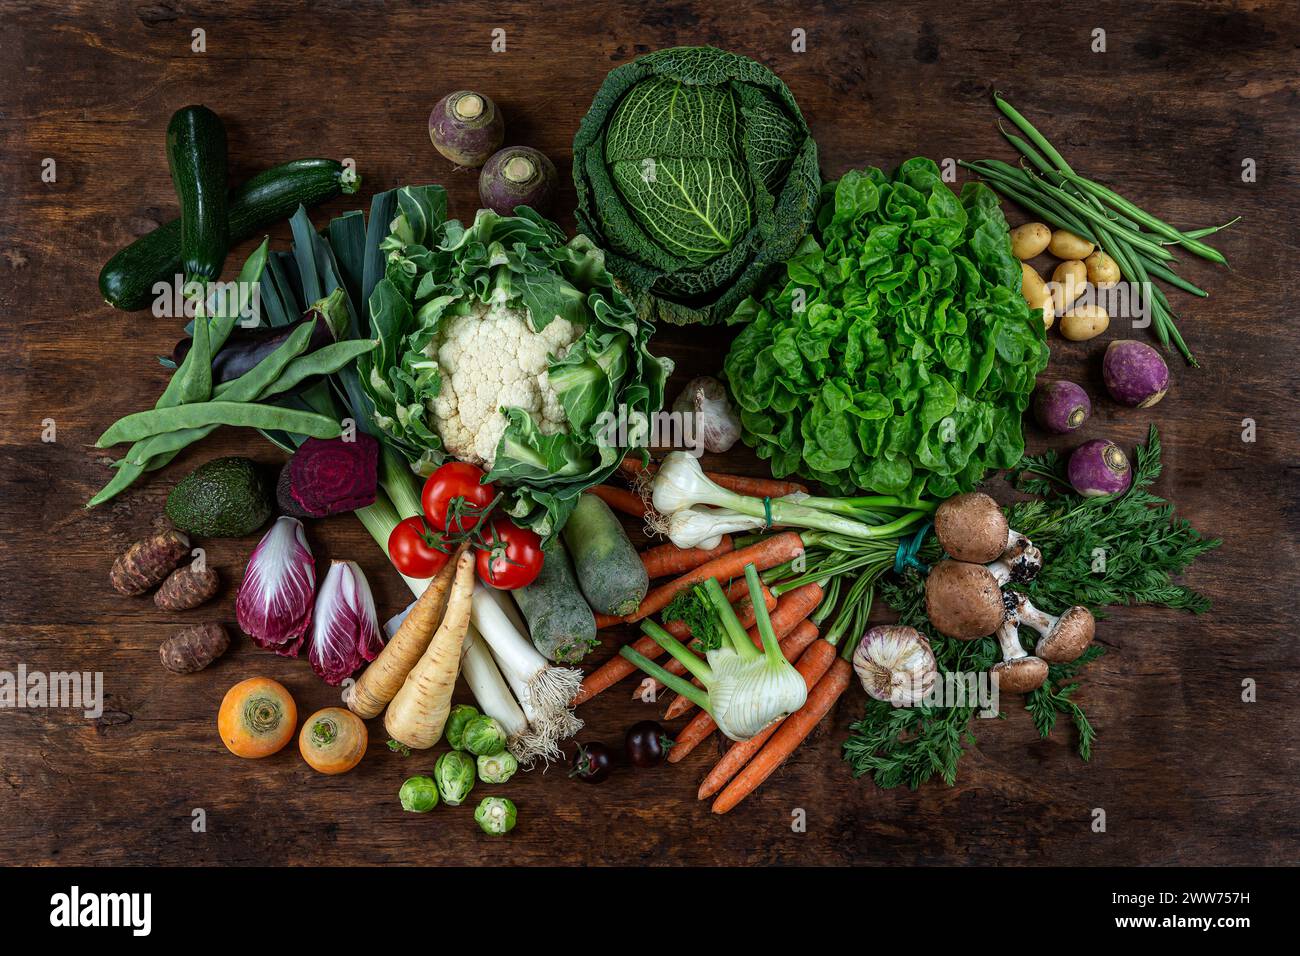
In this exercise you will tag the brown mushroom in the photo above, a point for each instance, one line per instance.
(1061, 639)
(971, 527)
(1017, 672)
(964, 600)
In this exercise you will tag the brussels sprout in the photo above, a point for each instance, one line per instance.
(454, 773)
(484, 736)
(497, 768)
(460, 715)
(418, 794)
(495, 815)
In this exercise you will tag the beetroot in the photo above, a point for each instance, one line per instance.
(1135, 374)
(1061, 407)
(330, 476)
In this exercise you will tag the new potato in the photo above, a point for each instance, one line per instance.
(1068, 282)
(1036, 293)
(1066, 245)
(1084, 322)
(1102, 269)
(1029, 240)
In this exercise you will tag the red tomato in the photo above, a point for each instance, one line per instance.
(457, 479)
(414, 548)
(511, 557)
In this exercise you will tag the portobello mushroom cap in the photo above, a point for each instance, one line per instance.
(1021, 675)
(963, 600)
(971, 527)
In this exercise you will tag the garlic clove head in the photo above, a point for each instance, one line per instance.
(716, 423)
(895, 663)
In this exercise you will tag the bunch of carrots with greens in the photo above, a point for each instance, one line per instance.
(780, 606)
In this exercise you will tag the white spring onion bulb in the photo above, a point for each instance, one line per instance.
(681, 484)
(699, 527)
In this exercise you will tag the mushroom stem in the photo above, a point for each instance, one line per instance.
(1021, 567)
(1009, 639)
(1061, 639)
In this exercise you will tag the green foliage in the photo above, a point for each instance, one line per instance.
(898, 355)
(696, 171)
(1143, 543)
(436, 268)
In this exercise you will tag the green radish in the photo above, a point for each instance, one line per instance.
(196, 156)
(559, 619)
(127, 280)
(609, 570)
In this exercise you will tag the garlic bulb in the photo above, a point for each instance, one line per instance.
(895, 663)
(716, 423)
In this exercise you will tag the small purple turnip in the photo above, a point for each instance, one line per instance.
(1099, 467)
(1061, 407)
(1135, 374)
(517, 176)
(466, 127)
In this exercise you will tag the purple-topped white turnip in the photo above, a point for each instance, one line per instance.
(466, 127)
(517, 176)
(1099, 467)
(1135, 374)
(1061, 407)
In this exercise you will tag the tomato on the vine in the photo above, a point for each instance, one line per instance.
(510, 556)
(416, 550)
(457, 479)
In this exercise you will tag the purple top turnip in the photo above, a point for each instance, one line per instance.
(466, 127)
(1135, 374)
(1099, 467)
(517, 176)
(1061, 407)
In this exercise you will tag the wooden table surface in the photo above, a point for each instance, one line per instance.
(1185, 92)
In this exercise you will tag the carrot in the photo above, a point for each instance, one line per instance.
(764, 554)
(756, 487)
(738, 595)
(788, 736)
(702, 724)
(333, 740)
(383, 678)
(627, 502)
(632, 468)
(665, 559)
(607, 620)
(616, 668)
(790, 610)
(813, 664)
(418, 713)
(256, 718)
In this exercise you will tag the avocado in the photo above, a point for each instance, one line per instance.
(224, 498)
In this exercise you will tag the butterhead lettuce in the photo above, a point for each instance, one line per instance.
(898, 354)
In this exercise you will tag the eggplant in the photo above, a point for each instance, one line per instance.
(244, 347)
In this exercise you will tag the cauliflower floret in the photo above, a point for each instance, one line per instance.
(490, 358)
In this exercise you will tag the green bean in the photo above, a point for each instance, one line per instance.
(1210, 230)
(1032, 199)
(1028, 129)
(1173, 278)
(241, 414)
(1115, 200)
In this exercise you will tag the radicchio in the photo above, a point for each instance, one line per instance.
(274, 606)
(346, 628)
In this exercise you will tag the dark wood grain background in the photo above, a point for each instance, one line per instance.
(1184, 770)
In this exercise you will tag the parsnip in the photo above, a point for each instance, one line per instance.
(419, 712)
(383, 678)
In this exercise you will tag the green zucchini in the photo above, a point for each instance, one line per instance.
(127, 281)
(559, 620)
(610, 572)
(196, 156)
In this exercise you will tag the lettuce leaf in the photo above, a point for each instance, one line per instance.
(898, 354)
